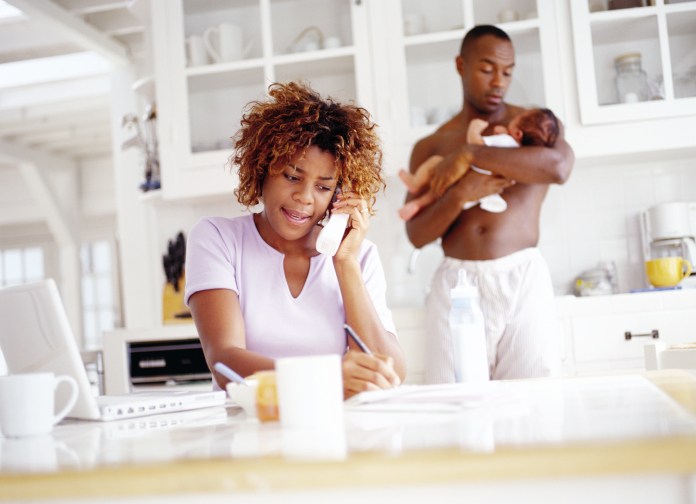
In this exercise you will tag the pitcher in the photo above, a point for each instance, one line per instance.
(225, 43)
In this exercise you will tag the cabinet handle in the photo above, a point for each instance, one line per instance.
(654, 334)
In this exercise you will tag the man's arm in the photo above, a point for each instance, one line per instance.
(527, 165)
(433, 221)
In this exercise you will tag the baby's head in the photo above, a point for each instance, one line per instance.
(537, 126)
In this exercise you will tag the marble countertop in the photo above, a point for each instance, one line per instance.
(521, 429)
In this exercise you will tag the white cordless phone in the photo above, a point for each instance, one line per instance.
(330, 236)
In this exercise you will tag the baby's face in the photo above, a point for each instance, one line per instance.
(514, 129)
(515, 125)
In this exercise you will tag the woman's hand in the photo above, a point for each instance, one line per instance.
(358, 224)
(362, 372)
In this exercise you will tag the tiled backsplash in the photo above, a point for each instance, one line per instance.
(592, 218)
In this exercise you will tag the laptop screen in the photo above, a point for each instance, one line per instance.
(35, 336)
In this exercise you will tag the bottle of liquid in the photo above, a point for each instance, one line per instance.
(468, 333)
(631, 81)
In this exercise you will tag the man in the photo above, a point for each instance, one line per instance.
(498, 250)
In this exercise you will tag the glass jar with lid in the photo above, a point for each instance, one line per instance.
(631, 80)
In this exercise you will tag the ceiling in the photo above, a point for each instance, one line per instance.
(55, 63)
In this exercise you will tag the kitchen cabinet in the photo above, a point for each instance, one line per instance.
(420, 88)
(606, 334)
(662, 33)
(393, 57)
(200, 106)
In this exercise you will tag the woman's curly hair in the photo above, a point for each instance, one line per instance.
(294, 118)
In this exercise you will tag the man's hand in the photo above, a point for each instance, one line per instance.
(474, 186)
(451, 169)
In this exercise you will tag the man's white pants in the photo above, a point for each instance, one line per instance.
(522, 329)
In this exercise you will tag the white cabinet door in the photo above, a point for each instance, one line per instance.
(607, 334)
(663, 33)
(622, 337)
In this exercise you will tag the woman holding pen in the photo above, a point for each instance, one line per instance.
(256, 285)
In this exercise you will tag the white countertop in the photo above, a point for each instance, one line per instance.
(626, 420)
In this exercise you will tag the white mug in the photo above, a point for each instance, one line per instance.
(27, 403)
(225, 43)
(508, 15)
(310, 392)
(196, 52)
(332, 42)
(414, 23)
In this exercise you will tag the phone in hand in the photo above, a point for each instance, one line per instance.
(331, 235)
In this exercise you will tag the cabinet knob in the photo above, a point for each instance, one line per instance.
(654, 334)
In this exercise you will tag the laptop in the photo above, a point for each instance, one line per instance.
(35, 336)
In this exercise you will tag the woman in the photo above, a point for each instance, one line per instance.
(256, 285)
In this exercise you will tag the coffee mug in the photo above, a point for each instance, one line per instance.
(414, 23)
(27, 403)
(667, 271)
(310, 391)
(196, 51)
(332, 42)
(225, 43)
(508, 16)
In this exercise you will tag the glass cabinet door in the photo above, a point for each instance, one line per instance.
(425, 42)
(216, 57)
(635, 59)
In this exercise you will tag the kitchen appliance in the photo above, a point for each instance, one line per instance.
(669, 230)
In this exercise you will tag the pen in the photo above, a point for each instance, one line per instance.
(229, 374)
(351, 333)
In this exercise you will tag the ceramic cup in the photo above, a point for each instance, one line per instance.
(310, 391)
(667, 271)
(196, 51)
(414, 23)
(27, 403)
(332, 42)
(508, 15)
(225, 43)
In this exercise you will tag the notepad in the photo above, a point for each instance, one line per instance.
(452, 397)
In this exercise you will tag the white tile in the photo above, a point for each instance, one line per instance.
(667, 186)
(639, 191)
(613, 250)
(611, 223)
(609, 191)
(584, 255)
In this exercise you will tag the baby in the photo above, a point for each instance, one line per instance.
(537, 126)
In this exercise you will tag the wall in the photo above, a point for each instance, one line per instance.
(595, 216)
(592, 218)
